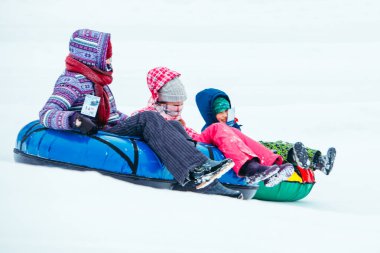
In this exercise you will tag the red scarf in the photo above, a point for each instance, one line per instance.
(100, 79)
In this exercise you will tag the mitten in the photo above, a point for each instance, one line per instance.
(84, 124)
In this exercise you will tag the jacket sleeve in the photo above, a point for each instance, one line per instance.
(123, 116)
(192, 133)
(55, 114)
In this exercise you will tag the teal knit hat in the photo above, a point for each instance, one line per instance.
(220, 105)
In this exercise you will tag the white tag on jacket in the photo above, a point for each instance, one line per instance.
(90, 105)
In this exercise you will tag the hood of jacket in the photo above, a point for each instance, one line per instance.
(91, 48)
(205, 99)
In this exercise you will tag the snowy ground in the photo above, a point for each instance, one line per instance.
(295, 70)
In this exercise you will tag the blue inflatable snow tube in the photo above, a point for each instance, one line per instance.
(123, 157)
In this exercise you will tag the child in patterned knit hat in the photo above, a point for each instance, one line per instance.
(82, 101)
(297, 153)
(252, 160)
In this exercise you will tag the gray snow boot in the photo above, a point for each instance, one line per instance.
(298, 155)
(286, 170)
(324, 163)
(255, 172)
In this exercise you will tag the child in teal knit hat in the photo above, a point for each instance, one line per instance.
(221, 107)
(224, 113)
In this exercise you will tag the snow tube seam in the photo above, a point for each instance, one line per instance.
(30, 129)
(117, 150)
(135, 155)
(211, 153)
(29, 133)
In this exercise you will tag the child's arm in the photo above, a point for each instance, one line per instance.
(56, 114)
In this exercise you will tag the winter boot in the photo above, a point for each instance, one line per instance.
(331, 154)
(255, 172)
(286, 170)
(324, 163)
(209, 171)
(215, 188)
(298, 155)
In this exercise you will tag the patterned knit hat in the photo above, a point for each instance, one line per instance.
(173, 91)
(92, 48)
(220, 105)
(157, 78)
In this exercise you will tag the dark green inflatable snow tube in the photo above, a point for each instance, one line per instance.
(297, 187)
(285, 191)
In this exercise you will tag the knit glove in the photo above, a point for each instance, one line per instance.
(84, 124)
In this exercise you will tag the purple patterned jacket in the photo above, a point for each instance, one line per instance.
(90, 48)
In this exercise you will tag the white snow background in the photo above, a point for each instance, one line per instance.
(295, 70)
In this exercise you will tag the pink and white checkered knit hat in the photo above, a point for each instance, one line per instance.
(157, 78)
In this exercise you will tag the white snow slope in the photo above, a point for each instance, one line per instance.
(295, 70)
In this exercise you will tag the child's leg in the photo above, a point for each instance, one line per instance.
(321, 162)
(281, 148)
(295, 154)
(266, 156)
(224, 138)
